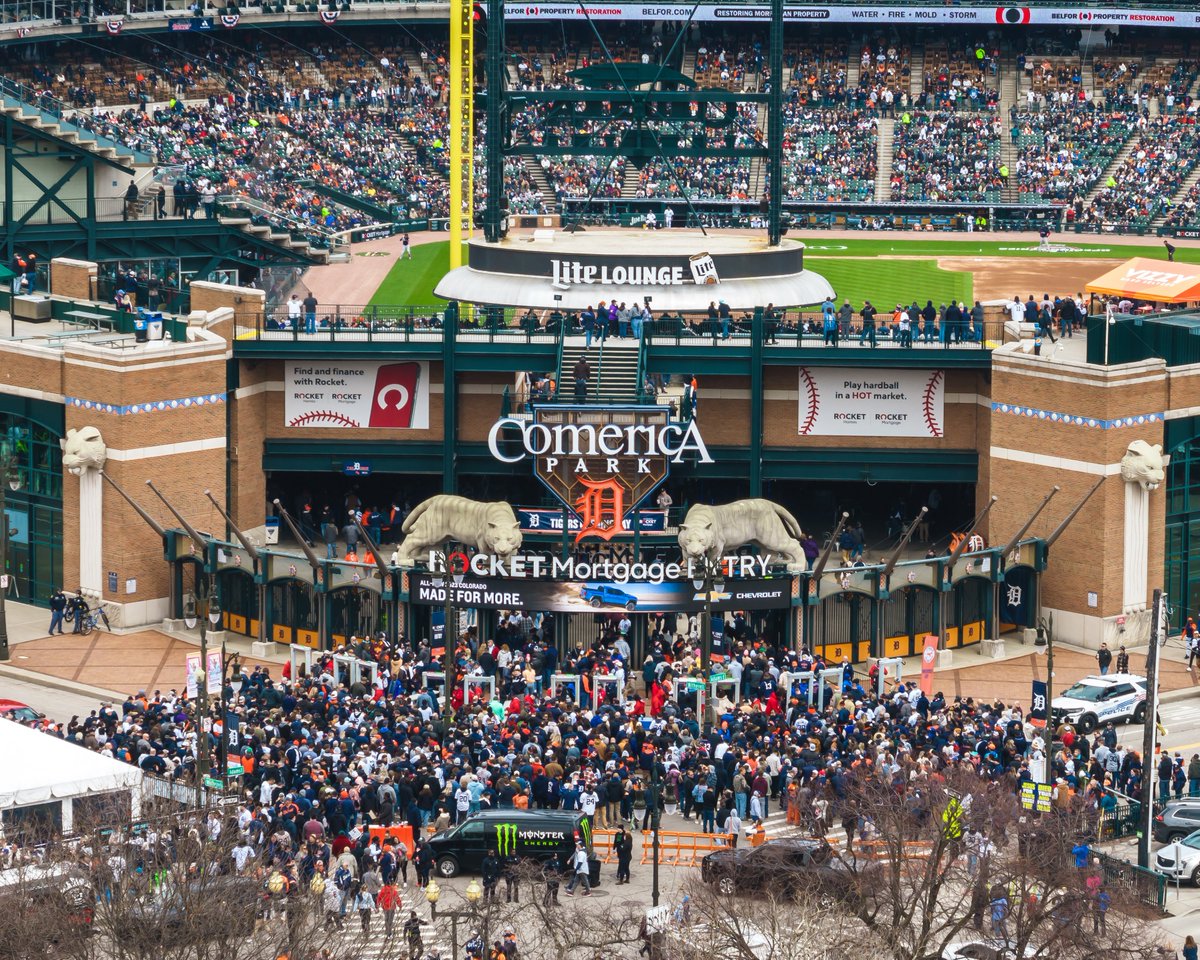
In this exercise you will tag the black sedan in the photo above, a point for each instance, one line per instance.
(795, 866)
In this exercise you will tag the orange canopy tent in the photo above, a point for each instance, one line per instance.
(1145, 279)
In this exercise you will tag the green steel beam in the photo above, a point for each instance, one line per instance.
(775, 129)
(499, 118)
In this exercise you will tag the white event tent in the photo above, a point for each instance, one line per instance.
(40, 770)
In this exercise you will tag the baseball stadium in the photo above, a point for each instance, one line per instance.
(872, 322)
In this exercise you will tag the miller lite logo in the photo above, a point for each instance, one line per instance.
(704, 270)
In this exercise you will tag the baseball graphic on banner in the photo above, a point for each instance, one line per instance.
(357, 394)
(846, 402)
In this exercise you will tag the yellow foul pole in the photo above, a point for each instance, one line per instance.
(462, 89)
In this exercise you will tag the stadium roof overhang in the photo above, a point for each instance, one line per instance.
(1144, 279)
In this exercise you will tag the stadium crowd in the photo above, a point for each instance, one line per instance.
(325, 758)
(286, 125)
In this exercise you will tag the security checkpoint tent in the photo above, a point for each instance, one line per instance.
(43, 778)
(1157, 280)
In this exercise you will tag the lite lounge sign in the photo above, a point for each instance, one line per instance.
(566, 273)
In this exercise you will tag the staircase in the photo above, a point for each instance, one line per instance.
(1189, 181)
(1112, 168)
(614, 363)
(883, 159)
(1087, 79)
(853, 72)
(65, 130)
(631, 179)
(1008, 158)
(689, 63)
(542, 182)
(1008, 88)
(916, 78)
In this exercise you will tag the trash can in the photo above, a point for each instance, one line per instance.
(140, 333)
(154, 326)
(271, 533)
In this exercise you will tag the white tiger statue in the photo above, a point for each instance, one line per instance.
(1143, 464)
(716, 531)
(83, 449)
(491, 528)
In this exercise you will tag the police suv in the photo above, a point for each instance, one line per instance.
(1094, 701)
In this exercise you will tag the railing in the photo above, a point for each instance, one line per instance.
(1149, 886)
(791, 329)
(55, 111)
(803, 329)
(390, 324)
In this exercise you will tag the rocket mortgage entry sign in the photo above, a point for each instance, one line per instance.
(848, 402)
(357, 394)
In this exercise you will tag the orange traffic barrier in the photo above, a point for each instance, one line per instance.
(679, 849)
(602, 845)
(398, 834)
(882, 849)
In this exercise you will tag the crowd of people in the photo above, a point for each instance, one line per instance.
(286, 125)
(947, 157)
(829, 154)
(326, 758)
(1162, 156)
(1060, 155)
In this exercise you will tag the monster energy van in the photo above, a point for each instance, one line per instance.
(528, 834)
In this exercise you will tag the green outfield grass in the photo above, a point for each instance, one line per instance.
(888, 282)
(1089, 246)
(412, 281)
(871, 276)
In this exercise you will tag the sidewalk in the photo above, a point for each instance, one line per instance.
(1010, 679)
(104, 663)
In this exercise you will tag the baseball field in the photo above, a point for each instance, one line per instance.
(890, 268)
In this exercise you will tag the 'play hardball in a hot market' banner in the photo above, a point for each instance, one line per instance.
(354, 393)
(848, 402)
(570, 596)
(1010, 16)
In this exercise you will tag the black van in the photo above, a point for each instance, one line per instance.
(530, 834)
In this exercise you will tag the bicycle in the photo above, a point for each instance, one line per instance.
(94, 618)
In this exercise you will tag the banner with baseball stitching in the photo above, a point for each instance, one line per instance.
(850, 402)
(353, 393)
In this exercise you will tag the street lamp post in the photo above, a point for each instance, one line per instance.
(709, 578)
(192, 614)
(12, 481)
(231, 674)
(473, 894)
(450, 579)
(655, 822)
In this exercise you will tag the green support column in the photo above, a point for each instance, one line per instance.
(449, 402)
(8, 188)
(757, 329)
(497, 120)
(775, 128)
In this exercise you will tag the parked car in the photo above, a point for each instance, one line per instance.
(1180, 859)
(1095, 700)
(1177, 819)
(606, 595)
(21, 712)
(789, 865)
(984, 949)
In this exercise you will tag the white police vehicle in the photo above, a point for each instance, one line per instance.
(1094, 701)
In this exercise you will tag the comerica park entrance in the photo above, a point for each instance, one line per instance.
(612, 561)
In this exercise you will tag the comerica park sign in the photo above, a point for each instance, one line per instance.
(600, 463)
